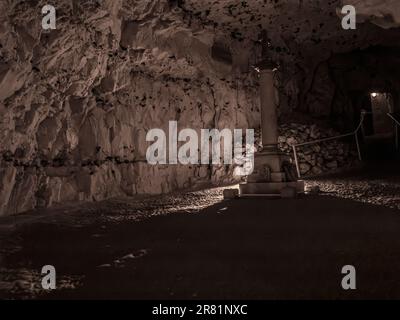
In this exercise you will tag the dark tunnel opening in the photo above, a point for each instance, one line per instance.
(366, 89)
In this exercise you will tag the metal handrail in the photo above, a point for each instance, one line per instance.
(355, 133)
(396, 132)
(394, 119)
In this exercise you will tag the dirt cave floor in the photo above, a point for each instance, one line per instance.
(197, 246)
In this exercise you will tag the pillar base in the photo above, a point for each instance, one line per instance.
(270, 188)
(274, 175)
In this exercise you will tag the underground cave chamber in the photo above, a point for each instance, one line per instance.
(78, 101)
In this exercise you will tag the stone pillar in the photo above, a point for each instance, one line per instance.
(274, 172)
(269, 116)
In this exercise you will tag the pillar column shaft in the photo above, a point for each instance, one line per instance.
(272, 169)
(269, 116)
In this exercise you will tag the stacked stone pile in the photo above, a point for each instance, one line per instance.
(324, 157)
(319, 158)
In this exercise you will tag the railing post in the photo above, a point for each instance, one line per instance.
(358, 145)
(396, 131)
(296, 160)
(362, 122)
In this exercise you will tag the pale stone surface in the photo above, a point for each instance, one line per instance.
(76, 102)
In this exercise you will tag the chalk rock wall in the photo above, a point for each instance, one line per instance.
(76, 102)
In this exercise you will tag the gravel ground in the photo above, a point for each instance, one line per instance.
(23, 282)
(372, 184)
(22, 237)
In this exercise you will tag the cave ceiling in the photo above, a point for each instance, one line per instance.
(301, 29)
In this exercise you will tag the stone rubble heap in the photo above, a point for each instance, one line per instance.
(320, 158)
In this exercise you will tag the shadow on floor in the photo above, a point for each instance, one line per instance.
(239, 249)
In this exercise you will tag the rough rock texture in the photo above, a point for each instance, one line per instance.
(76, 102)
